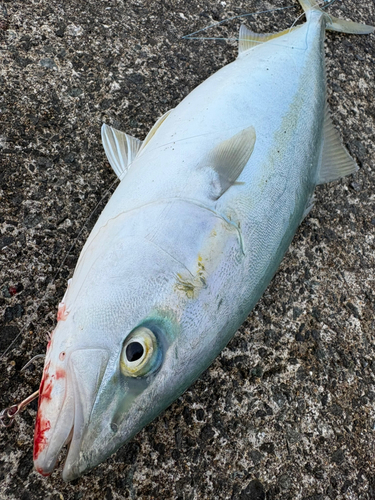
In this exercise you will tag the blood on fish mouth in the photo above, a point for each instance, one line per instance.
(64, 409)
(40, 441)
(43, 425)
(42, 473)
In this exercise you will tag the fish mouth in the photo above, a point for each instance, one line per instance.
(63, 419)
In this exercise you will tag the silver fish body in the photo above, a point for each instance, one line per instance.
(186, 246)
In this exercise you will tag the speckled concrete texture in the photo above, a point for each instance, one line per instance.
(287, 410)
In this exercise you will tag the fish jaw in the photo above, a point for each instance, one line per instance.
(55, 404)
(123, 406)
(115, 417)
(65, 402)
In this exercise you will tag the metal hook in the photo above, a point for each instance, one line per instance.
(8, 415)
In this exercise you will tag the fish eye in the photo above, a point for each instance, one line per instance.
(140, 353)
(134, 351)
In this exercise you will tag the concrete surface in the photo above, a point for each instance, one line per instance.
(287, 410)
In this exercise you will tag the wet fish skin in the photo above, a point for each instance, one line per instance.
(186, 245)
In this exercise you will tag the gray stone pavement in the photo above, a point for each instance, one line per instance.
(287, 410)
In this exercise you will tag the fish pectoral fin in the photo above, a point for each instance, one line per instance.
(336, 161)
(229, 158)
(120, 148)
(154, 129)
(249, 39)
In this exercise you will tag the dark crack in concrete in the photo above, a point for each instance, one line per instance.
(287, 409)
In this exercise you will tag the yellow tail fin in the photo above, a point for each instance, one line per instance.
(334, 24)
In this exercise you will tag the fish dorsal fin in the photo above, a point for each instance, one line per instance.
(336, 161)
(120, 148)
(249, 39)
(154, 129)
(229, 158)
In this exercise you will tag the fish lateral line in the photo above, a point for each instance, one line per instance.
(172, 199)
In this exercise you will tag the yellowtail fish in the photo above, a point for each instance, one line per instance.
(206, 208)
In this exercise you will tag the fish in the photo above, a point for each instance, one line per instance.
(205, 210)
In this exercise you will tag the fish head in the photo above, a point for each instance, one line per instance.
(138, 332)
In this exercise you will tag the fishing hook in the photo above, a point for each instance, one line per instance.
(8, 415)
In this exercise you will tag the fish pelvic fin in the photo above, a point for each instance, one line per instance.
(335, 24)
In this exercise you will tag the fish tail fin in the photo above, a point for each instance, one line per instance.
(335, 24)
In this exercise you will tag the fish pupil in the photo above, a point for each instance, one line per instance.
(134, 351)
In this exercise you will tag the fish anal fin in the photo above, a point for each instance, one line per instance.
(249, 39)
(336, 161)
(229, 158)
(120, 148)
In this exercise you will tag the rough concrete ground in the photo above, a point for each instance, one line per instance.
(287, 410)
